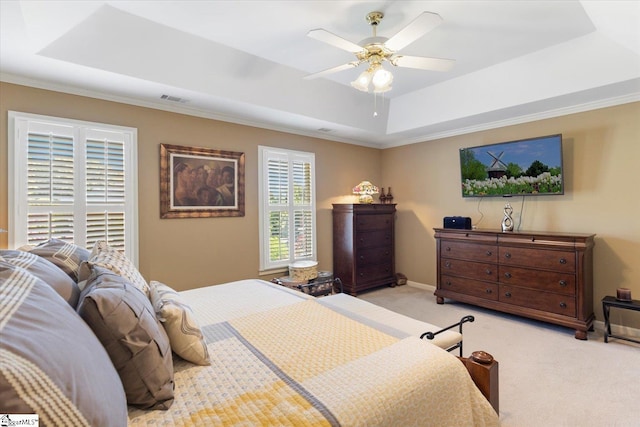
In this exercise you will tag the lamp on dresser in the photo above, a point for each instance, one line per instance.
(365, 190)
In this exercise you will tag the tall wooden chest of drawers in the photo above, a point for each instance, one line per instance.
(363, 245)
(543, 276)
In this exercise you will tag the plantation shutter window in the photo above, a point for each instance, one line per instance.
(73, 181)
(50, 182)
(287, 208)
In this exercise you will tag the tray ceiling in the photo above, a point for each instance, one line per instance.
(244, 61)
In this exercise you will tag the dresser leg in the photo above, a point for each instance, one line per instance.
(581, 335)
(440, 300)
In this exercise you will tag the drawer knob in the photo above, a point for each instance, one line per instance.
(448, 283)
(507, 275)
(489, 291)
(507, 294)
(563, 261)
(489, 253)
(447, 264)
(448, 249)
(507, 255)
(488, 271)
(563, 283)
(563, 305)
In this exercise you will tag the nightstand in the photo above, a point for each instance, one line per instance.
(607, 303)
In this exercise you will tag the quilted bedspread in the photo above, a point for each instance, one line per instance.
(280, 358)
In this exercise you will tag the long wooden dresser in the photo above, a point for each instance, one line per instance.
(543, 276)
(364, 245)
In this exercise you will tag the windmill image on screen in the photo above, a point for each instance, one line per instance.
(529, 167)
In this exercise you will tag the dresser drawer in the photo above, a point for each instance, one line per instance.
(563, 261)
(544, 301)
(366, 222)
(466, 236)
(469, 251)
(377, 255)
(471, 270)
(375, 272)
(471, 287)
(374, 238)
(563, 283)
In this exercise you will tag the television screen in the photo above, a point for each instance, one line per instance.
(526, 167)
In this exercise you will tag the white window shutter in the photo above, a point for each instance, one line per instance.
(287, 207)
(72, 180)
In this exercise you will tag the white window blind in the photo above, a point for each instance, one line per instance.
(73, 181)
(287, 207)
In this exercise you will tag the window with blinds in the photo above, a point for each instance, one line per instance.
(73, 181)
(287, 207)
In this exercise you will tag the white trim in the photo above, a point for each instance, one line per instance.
(198, 112)
(422, 286)
(264, 153)
(527, 118)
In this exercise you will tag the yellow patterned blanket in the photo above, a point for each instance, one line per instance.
(299, 363)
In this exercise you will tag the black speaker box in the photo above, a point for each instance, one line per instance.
(459, 222)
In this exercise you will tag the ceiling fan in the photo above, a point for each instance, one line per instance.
(376, 50)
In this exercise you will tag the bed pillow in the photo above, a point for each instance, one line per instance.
(123, 319)
(108, 257)
(46, 271)
(67, 256)
(179, 322)
(51, 363)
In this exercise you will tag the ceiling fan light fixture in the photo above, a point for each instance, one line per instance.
(382, 80)
(376, 50)
(363, 80)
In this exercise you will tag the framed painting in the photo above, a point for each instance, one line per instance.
(200, 182)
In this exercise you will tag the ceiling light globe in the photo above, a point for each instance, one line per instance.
(362, 82)
(382, 80)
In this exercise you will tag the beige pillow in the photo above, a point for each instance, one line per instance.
(108, 257)
(48, 272)
(123, 319)
(179, 321)
(51, 363)
(67, 256)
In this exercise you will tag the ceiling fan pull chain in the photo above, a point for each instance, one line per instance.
(375, 104)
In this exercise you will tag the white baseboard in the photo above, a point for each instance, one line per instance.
(625, 331)
(421, 286)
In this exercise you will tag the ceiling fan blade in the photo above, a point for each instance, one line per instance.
(332, 39)
(422, 63)
(420, 26)
(332, 70)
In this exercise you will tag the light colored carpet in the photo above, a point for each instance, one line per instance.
(547, 377)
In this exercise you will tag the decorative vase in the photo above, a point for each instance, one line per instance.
(389, 198)
(507, 221)
(383, 197)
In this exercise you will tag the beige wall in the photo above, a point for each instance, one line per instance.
(601, 156)
(601, 164)
(187, 253)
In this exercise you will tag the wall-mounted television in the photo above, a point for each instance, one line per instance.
(527, 167)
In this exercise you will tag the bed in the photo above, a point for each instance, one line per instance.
(264, 355)
(327, 358)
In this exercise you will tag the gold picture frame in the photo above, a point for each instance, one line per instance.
(200, 182)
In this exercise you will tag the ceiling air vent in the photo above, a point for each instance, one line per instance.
(174, 99)
(325, 130)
